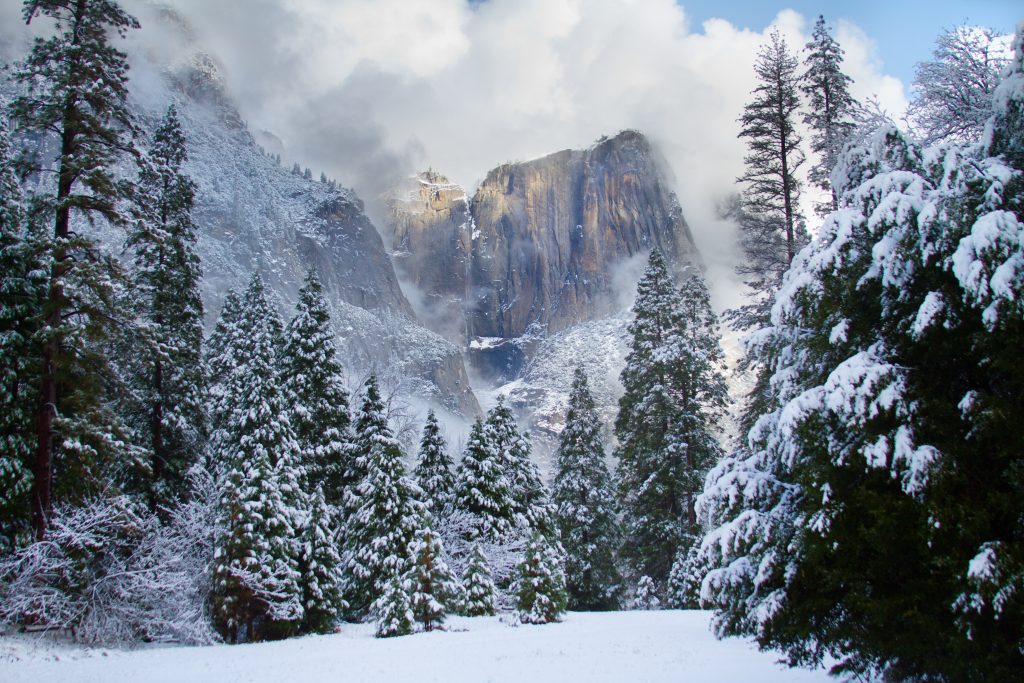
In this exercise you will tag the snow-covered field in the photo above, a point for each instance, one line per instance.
(587, 647)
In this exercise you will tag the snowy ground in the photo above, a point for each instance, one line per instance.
(618, 646)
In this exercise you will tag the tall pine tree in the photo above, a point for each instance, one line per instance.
(512, 450)
(167, 278)
(320, 568)
(584, 502)
(482, 488)
(385, 514)
(434, 589)
(315, 382)
(673, 393)
(830, 108)
(76, 89)
(434, 472)
(256, 592)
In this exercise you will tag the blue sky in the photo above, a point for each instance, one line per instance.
(903, 31)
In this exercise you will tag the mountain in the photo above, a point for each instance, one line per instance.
(255, 215)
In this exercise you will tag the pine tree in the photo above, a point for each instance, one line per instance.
(483, 489)
(386, 512)
(584, 502)
(22, 292)
(646, 597)
(512, 449)
(771, 230)
(256, 580)
(315, 381)
(76, 88)
(370, 422)
(673, 394)
(830, 107)
(434, 472)
(865, 520)
(434, 589)
(167, 278)
(392, 611)
(320, 569)
(540, 583)
(478, 586)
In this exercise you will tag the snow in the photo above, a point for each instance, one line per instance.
(666, 645)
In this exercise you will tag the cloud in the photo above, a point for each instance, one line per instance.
(367, 90)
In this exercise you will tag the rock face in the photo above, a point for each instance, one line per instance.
(538, 249)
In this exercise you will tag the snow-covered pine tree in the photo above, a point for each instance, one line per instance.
(434, 471)
(256, 581)
(434, 590)
(75, 87)
(768, 215)
(315, 380)
(22, 292)
(172, 382)
(387, 510)
(865, 518)
(540, 583)
(320, 568)
(221, 361)
(391, 610)
(830, 108)
(478, 586)
(646, 597)
(512, 450)
(370, 421)
(584, 502)
(482, 489)
(673, 393)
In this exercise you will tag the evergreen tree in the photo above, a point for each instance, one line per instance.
(683, 589)
(435, 589)
(478, 586)
(371, 422)
(320, 569)
(167, 278)
(646, 597)
(673, 394)
(584, 502)
(315, 381)
(771, 230)
(512, 450)
(868, 517)
(830, 108)
(386, 514)
(75, 86)
(22, 291)
(392, 611)
(540, 583)
(483, 489)
(434, 469)
(256, 593)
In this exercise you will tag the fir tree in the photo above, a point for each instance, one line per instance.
(540, 583)
(370, 422)
(478, 586)
(76, 88)
(320, 569)
(392, 612)
(386, 514)
(865, 519)
(830, 108)
(512, 450)
(167, 278)
(646, 597)
(315, 381)
(256, 580)
(434, 469)
(22, 292)
(673, 394)
(584, 502)
(483, 489)
(771, 230)
(434, 588)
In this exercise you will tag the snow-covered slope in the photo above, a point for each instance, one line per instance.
(646, 647)
(256, 215)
